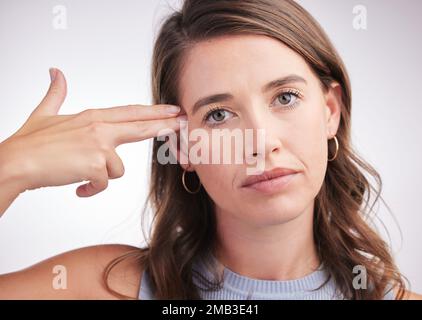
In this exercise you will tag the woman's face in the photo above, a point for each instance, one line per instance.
(297, 115)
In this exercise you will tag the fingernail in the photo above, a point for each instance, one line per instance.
(173, 109)
(53, 73)
(183, 121)
(183, 118)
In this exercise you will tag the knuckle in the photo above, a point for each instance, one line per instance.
(89, 115)
(97, 164)
(54, 90)
(97, 131)
(117, 167)
(104, 184)
(121, 174)
(121, 171)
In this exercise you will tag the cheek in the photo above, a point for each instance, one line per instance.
(311, 147)
(217, 180)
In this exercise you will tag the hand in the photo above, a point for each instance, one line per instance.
(53, 150)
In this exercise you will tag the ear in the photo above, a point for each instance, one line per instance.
(178, 146)
(333, 103)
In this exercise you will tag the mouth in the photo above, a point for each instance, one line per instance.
(270, 181)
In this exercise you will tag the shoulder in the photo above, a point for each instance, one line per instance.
(412, 296)
(77, 274)
(408, 295)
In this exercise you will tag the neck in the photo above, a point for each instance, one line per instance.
(277, 252)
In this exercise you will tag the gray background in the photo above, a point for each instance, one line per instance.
(105, 54)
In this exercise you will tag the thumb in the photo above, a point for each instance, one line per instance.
(55, 96)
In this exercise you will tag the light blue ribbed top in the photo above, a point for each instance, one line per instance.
(239, 287)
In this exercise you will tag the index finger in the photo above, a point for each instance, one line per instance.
(133, 112)
(141, 130)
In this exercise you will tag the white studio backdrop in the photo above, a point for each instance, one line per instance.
(105, 53)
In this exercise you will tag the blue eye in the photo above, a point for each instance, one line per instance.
(288, 99)
(215, 116)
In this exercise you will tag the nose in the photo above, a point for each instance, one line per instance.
(264, 137)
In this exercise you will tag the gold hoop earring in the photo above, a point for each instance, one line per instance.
(337, 148)
(186, 188)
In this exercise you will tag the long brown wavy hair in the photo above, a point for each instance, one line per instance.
(183, 228)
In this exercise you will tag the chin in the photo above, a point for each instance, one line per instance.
(272, 216)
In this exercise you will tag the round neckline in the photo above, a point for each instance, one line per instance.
(247, 285)
(309, 282)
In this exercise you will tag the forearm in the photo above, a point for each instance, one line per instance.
(9, 187)
(6, 199)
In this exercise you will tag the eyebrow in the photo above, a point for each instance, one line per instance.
(220, 97)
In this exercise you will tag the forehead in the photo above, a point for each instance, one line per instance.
(236, 64)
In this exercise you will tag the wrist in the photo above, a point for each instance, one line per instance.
(10, 177)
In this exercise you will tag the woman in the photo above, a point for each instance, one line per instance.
(295, 231)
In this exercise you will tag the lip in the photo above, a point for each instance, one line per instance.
(270, 181)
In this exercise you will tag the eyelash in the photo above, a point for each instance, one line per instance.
(294, 92)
